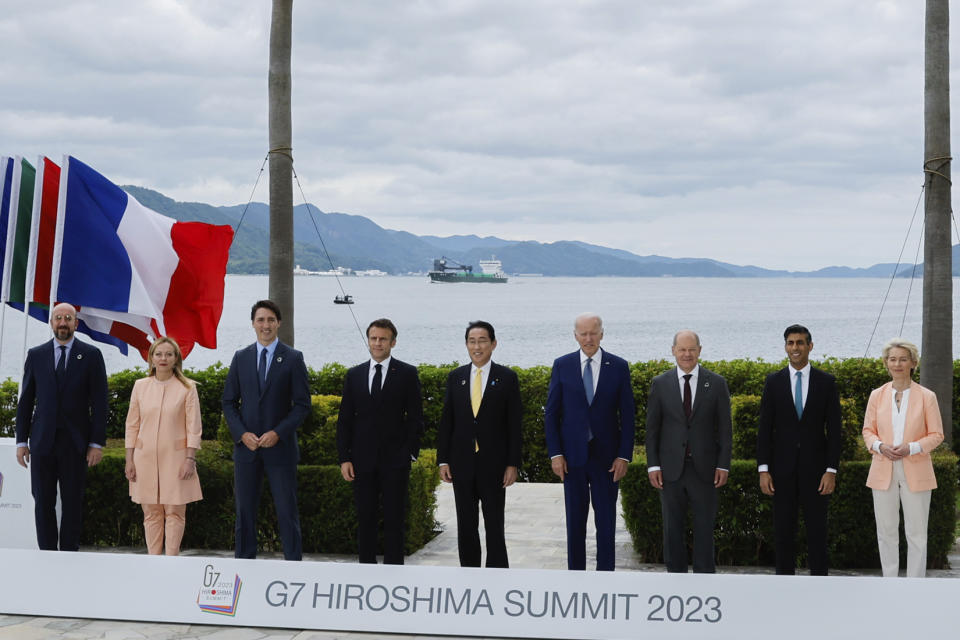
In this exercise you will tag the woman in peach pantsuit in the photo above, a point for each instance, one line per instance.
(901, 427)
(162, 438)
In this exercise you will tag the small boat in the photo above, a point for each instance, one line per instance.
(344, 299)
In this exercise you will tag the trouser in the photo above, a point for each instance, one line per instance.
(688, 490)
(481, 489)
(583, 485)
(66, 468)
(916, 510)
(248, 478)
(164, 522)
(386, 487)
(792, 493)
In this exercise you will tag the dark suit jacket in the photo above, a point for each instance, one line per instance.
(806, 445)
(81, 403)
(610, 416)
(496, 429)
(708, 431)
(385, 433)
(282, 406)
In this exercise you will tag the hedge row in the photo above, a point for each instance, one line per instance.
(744, 533)
(327, 517)
(856, 378)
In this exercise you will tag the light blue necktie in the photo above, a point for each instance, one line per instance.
(798, 395)
(588, 381)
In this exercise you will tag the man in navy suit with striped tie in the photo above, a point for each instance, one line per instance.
(265, 399)
(589, 420)
(61, 427)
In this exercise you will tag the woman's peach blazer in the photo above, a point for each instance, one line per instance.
(922, 425)
(163, 420)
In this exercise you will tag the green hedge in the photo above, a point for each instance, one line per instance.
(327, 517)
(856, 378)
(744, 534)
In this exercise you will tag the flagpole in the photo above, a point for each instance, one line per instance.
(30, 277)
(12, 209)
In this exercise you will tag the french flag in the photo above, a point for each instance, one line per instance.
(132, 272)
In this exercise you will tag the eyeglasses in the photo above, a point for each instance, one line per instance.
(67, 317)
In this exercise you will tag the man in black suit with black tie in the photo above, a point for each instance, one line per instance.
(265, 400)
(798, 451)
(479, 445)
(689, 445)
(61, 427)
(378, 436)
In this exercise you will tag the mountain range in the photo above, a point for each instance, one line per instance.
(359, 243)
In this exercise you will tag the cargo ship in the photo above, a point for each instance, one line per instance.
(447, 270)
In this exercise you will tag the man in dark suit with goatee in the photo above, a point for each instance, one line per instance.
(378, 436)
(61, 427)
(479, 445)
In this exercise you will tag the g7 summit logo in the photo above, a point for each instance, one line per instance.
(219, 594)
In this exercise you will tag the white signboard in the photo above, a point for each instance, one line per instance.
(471, 602)
(17, 529)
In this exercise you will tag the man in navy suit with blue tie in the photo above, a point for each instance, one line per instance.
(61, 427)
(589, 420)
(265, 399)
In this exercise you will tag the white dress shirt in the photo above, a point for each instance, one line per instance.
(804, 390)
(373, 372)
(899, 416)
(594, 366)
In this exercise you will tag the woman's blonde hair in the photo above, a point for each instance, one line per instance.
(911, 348)
(178, 363)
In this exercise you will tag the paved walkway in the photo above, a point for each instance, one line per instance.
(536, 539)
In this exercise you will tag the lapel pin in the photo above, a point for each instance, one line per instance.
(79, 356)
(463, 382)
(706, 385)
(279, 358)
(494, 382)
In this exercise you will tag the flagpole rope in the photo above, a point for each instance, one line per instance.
(250, 199)
(363, 338)
(893, 275)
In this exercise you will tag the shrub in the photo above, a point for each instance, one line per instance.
(327, 517)
(744, 533)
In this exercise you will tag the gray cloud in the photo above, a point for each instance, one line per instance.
(675, 128)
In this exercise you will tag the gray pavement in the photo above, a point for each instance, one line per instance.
(536, 539)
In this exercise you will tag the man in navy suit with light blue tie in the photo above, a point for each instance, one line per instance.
(589, 420)
(265, 399)
(61, 427)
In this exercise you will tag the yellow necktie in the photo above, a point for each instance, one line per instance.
(476, 393)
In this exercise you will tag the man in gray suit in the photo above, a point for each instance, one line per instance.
(689, 443)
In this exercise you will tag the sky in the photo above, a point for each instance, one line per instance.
(788, 135)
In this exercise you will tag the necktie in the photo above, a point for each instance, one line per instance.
(377, 385)
(687, 395)
(476, 392)
(588, 381)
(62, 362)
(798, 395)
(262, 369)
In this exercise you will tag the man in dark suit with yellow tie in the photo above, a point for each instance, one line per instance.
(689, 446)
(61, 427)
(265, 400)
(378, 436)
(478, 445)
